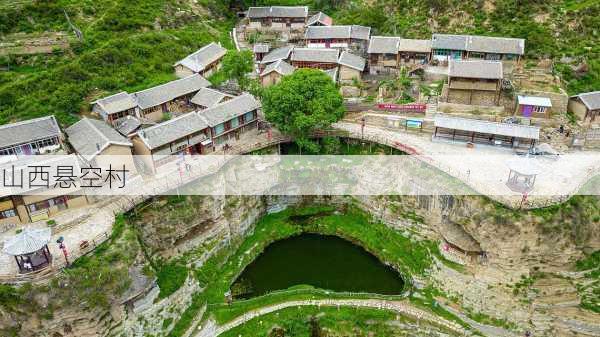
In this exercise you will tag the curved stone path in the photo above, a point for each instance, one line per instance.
(210, 329)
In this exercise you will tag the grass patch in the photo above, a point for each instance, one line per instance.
(589, 290)
(408, 256)
(315, 321)
(170, 277)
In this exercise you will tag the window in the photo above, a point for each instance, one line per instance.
(234, 123)
(219, 129)
(442, 52)
(38, 206)
(9, 213)
(7, 152)
(249, 116)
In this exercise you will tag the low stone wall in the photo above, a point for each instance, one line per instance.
(480, 110)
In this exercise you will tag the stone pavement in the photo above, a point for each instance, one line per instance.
(484, 168)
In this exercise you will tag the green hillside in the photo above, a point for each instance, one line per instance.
(132, 44)
(127, 45)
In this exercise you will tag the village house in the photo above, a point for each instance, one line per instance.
(413, 51)
(351, 67)
(319, 19)
(533, 106)
(229, 119)
(388, 53)
(161, 143)
(35, 203)
(383, 54)
(114, 107)
(205, 61)
(278, 54)
(317, 58)
(586, 105)
(484, 132)
(474, 82)
(100, 145)
(171, 97)
(27, 138)
(277, 17)
(446, 47)
(207, 98)
(260, 50)
(273, 72)
(354, 37)
(34, 136)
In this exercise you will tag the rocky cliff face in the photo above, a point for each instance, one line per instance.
(518, 245)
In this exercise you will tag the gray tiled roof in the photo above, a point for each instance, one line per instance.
(208, 97)
(259, 12)
(383, 45)
(281, 67)
(320, 18)
(474, 125)
(499, 45)
(487, 44)
(29, 240)
(28, 131)
(475, 69)
(591, 99)
(232, 108)
(417, 46)
(326, 55)
(282, 53)
(260, 48)
(352, 61)
(289, 11)
(361, 32)
(278, 12)
(90, 136)
(203, 57)
(338, 32)
(116, 103)
(172, 130)
(449, 41)
(127, 125)
(170, 90)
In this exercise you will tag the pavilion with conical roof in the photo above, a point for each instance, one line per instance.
(30, 249)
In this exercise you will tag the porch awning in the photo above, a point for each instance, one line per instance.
(495, 128)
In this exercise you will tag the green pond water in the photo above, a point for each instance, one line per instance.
(326, 262)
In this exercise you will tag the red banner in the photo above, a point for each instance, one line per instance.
(412, 107)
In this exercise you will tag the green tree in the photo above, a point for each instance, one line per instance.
(237, 65)
(301, 103)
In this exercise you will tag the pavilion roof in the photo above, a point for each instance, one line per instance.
(30, 240)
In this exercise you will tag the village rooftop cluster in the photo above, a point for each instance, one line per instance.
(475, 69)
